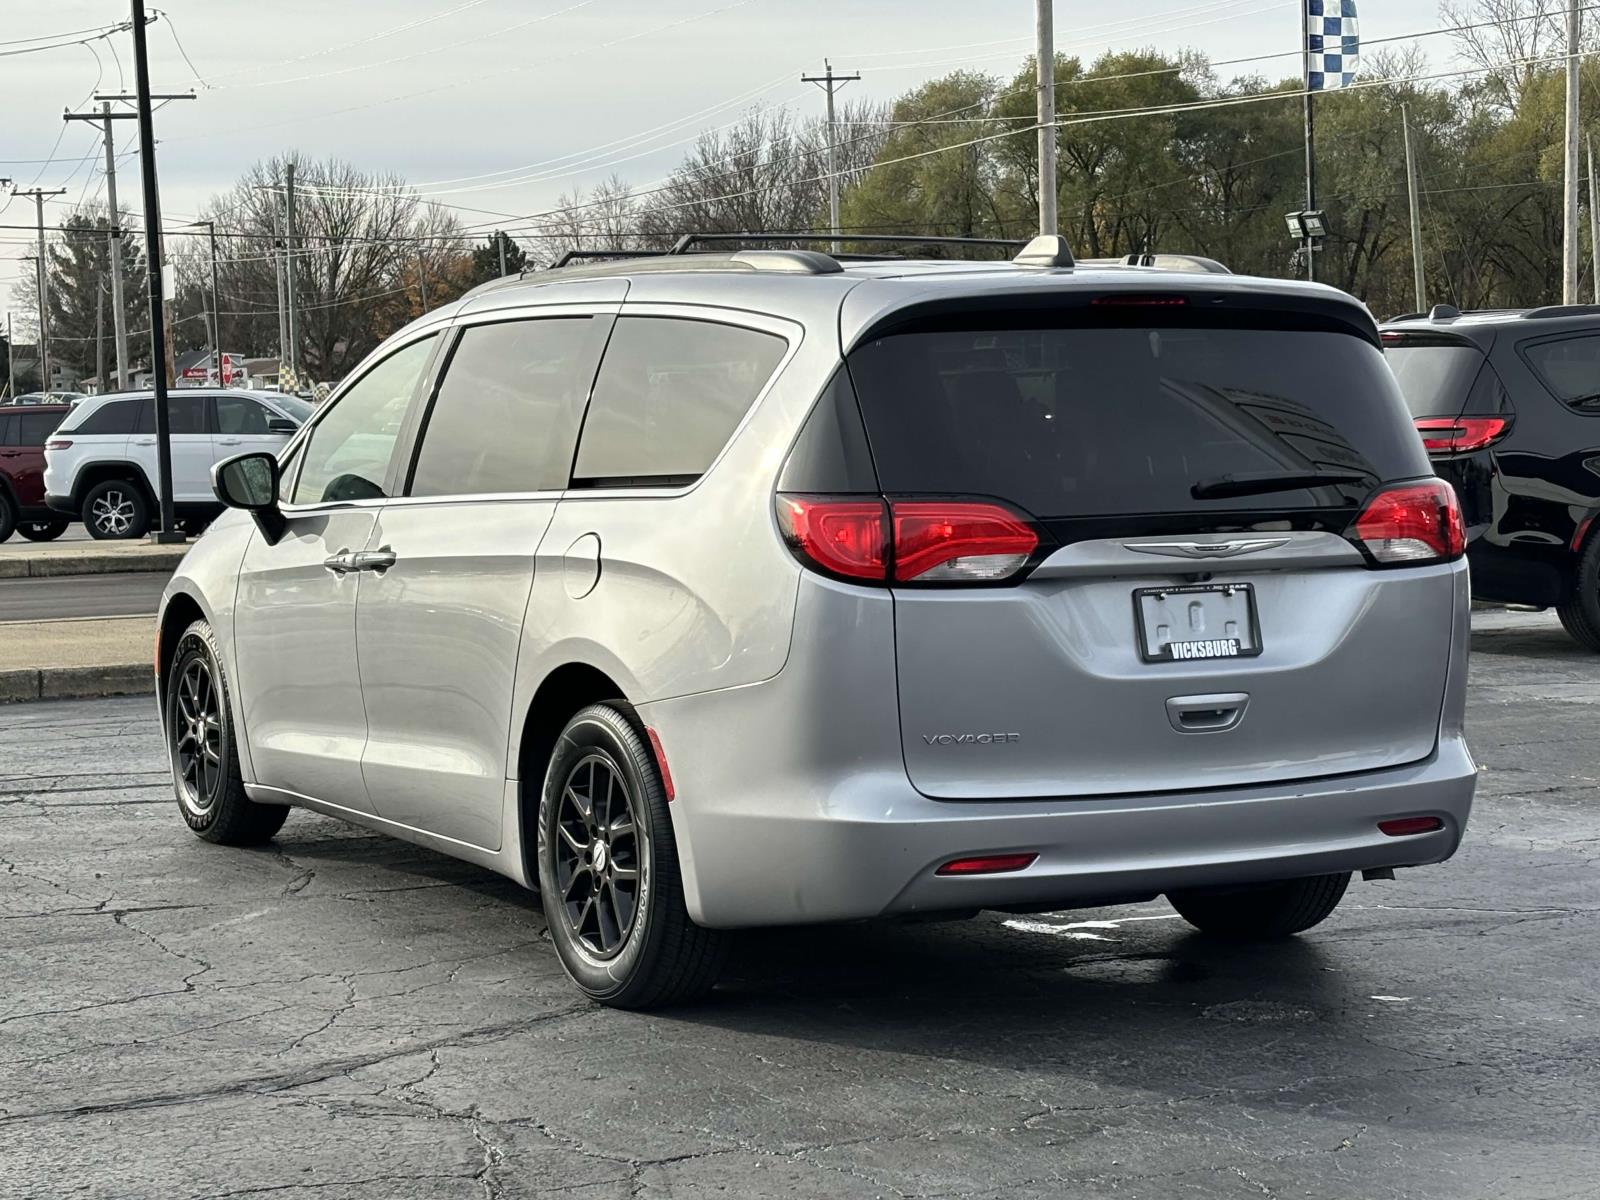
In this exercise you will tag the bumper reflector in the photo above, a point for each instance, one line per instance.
(1405, 826)
(991, 864)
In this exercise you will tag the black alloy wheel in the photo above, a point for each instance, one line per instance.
(196, 732)
(598, 856)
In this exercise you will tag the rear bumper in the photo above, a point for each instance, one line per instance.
(873, 851)
(61, 504)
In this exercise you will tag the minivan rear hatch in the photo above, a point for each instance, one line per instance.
(1197, 616)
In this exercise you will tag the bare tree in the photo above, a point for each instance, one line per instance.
(1500, 36)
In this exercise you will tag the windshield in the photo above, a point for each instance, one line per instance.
(1435, 376)
(1082, 422)
(295, 407)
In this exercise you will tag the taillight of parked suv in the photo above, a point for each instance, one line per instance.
(1444, 436)
(1411, 523)
(908, 541)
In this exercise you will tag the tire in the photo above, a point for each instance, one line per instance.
(116, 510)
(648, 954)
(1580, 612)
(203, 752)
(1275, 910)
(8, 516)
(42, 531)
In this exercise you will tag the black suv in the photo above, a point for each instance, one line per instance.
(1508, 405)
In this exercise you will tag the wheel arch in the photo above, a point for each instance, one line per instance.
(563, 691)
(181, 610)
(92, 474)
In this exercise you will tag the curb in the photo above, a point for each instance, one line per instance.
(76, 683)
(44, 566)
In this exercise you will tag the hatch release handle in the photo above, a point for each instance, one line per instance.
(1207, 714)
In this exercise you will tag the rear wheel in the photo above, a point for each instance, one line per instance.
(8, 516)
(1273, 910)
(116, 510)
(204, 753)
(608, 871)
(1580, 612)
(42, 531)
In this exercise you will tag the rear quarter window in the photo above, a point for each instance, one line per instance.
(34, 429)
(1569, 367)
(669, 395)
(117, 417)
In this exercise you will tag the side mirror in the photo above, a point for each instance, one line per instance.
(281, 425)
(250, 482)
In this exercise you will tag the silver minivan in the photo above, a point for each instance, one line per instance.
(727, 590)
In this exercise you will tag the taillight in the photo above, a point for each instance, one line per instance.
(1444, 435)
(58, 444)
(908, 541)
(1412, 523)
(939, 541)
(846, 537)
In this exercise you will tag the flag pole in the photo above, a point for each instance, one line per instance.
(1311, 152)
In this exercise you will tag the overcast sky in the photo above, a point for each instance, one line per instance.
(572, 90)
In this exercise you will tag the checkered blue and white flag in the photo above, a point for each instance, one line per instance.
(1333, 44)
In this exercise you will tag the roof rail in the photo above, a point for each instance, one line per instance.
(1046, 250)
(687, 243)
(572, 256)
(1561, 310)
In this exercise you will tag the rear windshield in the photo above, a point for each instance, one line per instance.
(1100, 422)
(1435, 375)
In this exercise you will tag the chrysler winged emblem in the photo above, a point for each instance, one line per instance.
(1228, 549)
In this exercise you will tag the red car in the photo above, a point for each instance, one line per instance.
(24, 429)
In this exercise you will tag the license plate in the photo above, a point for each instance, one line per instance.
(1197, 621)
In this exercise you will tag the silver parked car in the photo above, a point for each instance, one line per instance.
(730, 590)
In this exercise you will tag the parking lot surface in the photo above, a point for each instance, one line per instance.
(345, 1015)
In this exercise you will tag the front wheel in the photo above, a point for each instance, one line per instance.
(204, 753)
(608, 871)
(1273, 910)
(116, 510)
(42, 531)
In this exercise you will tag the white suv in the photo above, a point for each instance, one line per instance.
(101, 463)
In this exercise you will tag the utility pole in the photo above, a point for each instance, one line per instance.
(288, 285)
(830, 83)
(100, 336)
(42, 274)
(118, 309)
(1569, 224)
(1416, 214)
(1045, 61)
(215, 324)
(277, 274)
(1594, 224)
(500, 241)
(11, 360)
(168, 533)
(422, 278)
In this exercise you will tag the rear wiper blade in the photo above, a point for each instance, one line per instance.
(1225, 486)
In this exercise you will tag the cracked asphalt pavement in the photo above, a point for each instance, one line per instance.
(343, 1015)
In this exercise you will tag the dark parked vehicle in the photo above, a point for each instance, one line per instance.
(1508, 405)
(23, 433)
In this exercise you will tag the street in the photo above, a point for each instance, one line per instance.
(342, 1014)
(69, 596)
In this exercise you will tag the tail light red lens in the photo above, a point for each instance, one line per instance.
(846, 537)
(1442, 435)
(908, 541)
(991, 864)
(58, 444)
(1412, 523)
(939, 541)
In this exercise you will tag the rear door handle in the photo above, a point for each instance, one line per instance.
(379, 560)
(227, 441)
(340, 563)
